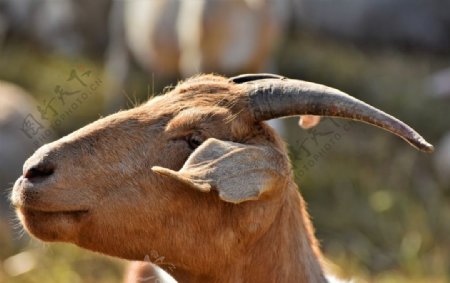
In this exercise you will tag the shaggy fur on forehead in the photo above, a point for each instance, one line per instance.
(211, 91)
(208, 90)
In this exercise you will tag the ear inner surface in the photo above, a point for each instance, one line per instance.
(239, 172)
(199, 185)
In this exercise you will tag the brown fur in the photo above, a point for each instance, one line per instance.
(103, 195)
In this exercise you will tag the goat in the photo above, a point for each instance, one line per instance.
(172, 38)
(203, 35)
(148, 173)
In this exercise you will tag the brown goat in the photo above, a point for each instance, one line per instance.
(140, 181)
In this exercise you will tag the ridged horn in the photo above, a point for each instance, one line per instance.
(271, 96)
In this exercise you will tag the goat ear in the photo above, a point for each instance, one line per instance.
(239, 172)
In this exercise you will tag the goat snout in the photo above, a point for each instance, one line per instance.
(39, 171)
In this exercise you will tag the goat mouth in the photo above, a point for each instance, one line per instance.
(32, 212)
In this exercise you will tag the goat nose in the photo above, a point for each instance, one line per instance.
(40, 170)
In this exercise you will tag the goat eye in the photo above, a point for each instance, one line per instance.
(194, 141)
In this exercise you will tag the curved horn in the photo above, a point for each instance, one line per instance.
(274, 97)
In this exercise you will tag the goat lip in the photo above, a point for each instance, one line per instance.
(37, 211)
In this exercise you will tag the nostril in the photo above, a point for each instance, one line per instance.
(39, 171)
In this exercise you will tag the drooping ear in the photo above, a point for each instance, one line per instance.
(238, 172)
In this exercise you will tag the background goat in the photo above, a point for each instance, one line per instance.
(180, 38)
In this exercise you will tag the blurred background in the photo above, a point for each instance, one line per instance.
(381, 209)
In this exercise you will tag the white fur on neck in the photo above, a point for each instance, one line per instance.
(332, 279)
